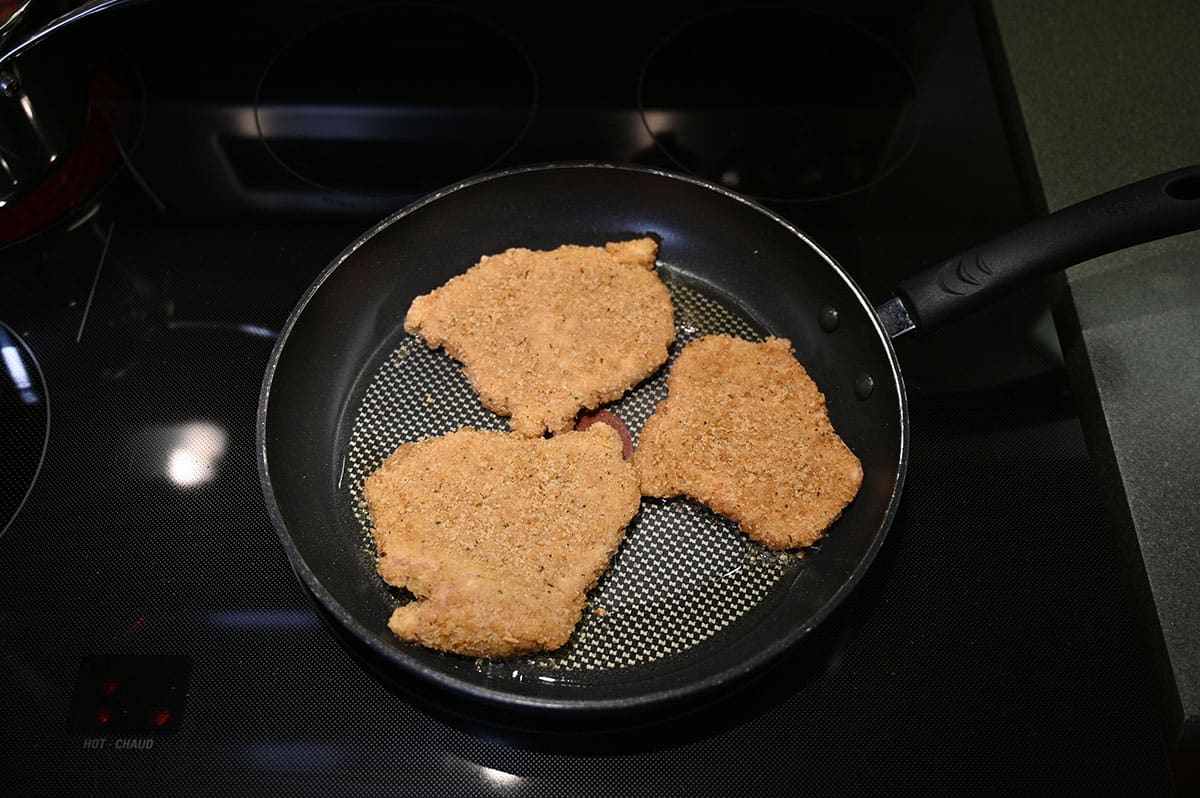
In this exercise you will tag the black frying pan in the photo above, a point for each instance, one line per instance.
(690, 606)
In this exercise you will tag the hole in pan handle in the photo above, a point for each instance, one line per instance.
(1157, 207)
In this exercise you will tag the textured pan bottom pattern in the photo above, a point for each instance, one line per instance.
(683, 573)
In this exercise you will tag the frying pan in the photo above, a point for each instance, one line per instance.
(690, 605)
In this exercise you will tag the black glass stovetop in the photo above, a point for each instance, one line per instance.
(153, 639)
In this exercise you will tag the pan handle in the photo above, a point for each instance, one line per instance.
(1149, 209)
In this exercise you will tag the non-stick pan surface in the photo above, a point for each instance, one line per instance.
(690, 605)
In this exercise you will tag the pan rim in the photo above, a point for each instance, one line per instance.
(573, 707)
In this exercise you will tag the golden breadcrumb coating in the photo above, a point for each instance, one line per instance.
(499, 537)
(745, 431)
(544, 334)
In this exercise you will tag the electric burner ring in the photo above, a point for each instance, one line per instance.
(782, 104)
(383, 101)
(25, 418)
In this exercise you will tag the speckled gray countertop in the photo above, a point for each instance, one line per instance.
(1108, 92)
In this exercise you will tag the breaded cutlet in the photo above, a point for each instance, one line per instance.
(745, 431)
(499, 537)
(544, 334)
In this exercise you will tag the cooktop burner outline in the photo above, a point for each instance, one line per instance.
(340, 117)
(781, 103)
(21, 422)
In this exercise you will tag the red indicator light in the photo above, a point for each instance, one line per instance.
(133, 627)
(131, 694)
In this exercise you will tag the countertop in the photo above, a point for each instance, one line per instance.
(1106, 93)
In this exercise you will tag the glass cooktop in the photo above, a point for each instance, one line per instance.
(153, 638)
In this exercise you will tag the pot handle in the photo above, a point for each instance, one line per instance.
(1149, 209)
(25, 42)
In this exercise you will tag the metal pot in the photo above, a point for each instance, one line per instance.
(43, 95)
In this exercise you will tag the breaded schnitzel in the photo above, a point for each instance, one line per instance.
(499, 537)
(544, 334)
(745, 431)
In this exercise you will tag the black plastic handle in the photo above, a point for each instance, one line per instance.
(1144, 211)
